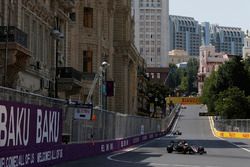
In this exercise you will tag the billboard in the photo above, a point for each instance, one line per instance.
(83, 112)
(183, 100)
(30, 135)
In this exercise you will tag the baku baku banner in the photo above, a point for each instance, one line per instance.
(29, 134)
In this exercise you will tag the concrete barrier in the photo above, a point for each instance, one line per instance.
(224, 134)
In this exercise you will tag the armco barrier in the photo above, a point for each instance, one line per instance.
(225, 134)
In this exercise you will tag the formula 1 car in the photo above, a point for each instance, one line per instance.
(177, 132)
(185, 148)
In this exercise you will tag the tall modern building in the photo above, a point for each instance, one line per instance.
(152, 30)
(225, 39)
(185, 34)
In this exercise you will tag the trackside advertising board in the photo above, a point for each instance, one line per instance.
(30, 135)
(183, 100)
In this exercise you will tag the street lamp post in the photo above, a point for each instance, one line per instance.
(7, 43)
(57, 35)
(102, 76)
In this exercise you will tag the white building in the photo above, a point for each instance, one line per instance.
(178, 56)
(246, 47)
(152, 30)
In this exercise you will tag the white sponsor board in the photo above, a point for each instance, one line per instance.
(83, 112)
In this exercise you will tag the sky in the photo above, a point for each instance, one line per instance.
(232, 13)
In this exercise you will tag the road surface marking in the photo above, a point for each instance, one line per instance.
(111, 157)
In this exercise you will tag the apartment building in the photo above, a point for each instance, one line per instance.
(56, 48)
(178, 56)
(210, 60)
(36, 45)
(225, 39)
(185, 34)
(152, 30)
(103, 31)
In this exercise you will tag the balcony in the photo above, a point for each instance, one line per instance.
(14, 36)
(13, 44)
(69, 80)
(67, 5)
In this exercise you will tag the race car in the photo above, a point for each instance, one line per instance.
(177, 132)
(185, 148)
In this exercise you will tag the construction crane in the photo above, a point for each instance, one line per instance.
(98, 76)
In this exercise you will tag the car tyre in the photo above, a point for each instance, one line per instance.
(169, 149)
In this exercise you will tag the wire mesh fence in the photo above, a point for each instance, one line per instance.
(108, 125)
(232, 125)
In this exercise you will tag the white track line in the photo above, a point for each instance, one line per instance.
(134, 148)
(110, 157)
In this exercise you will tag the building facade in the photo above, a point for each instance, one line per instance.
(152, 30)
(178, 56)
(225, 39)
(56, 48)
(103, 31)
(36, 45)
(90, 44)
(246, 47)
(185, 34)
(210, 61)
(157, 75)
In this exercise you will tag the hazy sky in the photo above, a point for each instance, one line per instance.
(233, 13)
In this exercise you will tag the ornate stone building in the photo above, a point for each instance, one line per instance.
(74, 37)
(36, 46)
(102, 31)
(125, 59)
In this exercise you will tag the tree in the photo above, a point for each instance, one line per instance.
(209, 92)
(157, 91)
(184, 84)
(192, 70)
(232, 74)
(171, 80)
(232, 104)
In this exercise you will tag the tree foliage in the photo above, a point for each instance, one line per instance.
(209, 94)
(232, 104)
(226, 90)
(231, 74)
(184, 79)
(192, 70)
(157, 91)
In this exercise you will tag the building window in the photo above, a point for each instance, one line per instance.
(152, 75)
(87, 61)
(141, 50)
(88, 17)
(72, 16)
(158, 75)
